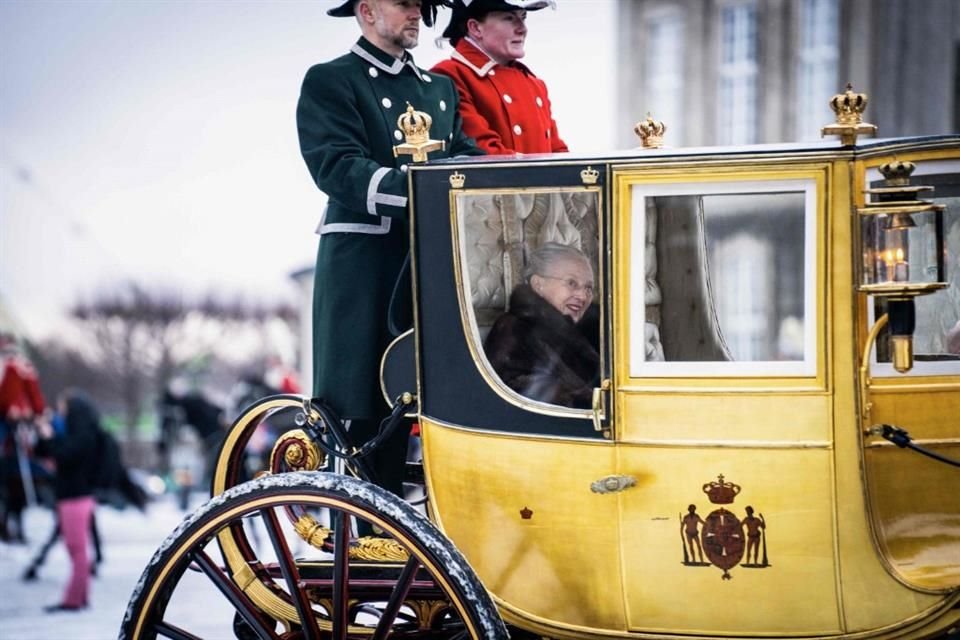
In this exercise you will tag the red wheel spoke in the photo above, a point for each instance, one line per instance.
(291, 575)
(174, 632)
(237, 598)
(399, 594)
(341, 575)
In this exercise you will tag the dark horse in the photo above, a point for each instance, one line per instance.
(194, 410)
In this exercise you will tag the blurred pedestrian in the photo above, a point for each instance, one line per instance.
(112, 485)
(186, 464)
(76, 456)
(20, 401)
(33, 570)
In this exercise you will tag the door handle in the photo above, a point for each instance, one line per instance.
(613, 484)
(599, 404)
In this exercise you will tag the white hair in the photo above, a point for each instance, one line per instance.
(549, 254)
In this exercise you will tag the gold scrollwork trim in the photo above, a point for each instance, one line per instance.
(378, 550)
(298, 451)
(311, 531)
(366, 548)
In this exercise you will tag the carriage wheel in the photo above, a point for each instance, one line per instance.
(429, 591)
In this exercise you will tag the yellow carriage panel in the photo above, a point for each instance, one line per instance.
(730, 419)
(522, 511)
(916, 500)
(785, 495)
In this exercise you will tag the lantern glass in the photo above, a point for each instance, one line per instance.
(902, 248)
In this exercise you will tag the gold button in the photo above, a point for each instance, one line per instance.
(517, 130)
(539, 102)
(507, 98)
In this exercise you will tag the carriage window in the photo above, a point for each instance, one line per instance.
(722, 279)
(936, 339)
(530, 273)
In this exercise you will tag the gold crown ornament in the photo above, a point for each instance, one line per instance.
(589, 175)
(897, 173)
(651, 132)
(849, 107)
(457, 179)
(415, 126)
(720, 492)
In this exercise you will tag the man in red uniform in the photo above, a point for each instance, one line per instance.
(20, 401)
(505, 107)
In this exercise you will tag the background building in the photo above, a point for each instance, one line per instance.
(755, 71)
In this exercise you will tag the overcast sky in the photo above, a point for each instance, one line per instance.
(155, 140)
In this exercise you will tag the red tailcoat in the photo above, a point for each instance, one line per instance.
(20, 395)
(504, 108)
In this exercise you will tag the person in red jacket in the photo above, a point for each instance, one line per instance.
(504, 106)
(20, 401)
(20, 396)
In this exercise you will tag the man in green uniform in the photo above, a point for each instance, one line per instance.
(347, 122)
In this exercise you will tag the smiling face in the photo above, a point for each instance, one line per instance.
(567, 285)
(391, 25)
(501, 34)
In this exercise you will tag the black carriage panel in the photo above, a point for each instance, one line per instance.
(456, 383)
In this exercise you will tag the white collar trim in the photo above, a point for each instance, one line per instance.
(394, 68)
(480, 71)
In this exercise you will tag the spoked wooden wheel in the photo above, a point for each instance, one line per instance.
(427, 592)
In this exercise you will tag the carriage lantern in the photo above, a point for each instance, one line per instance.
(901, 236)
(901, 239)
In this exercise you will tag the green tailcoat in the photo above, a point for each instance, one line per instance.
(347, 122)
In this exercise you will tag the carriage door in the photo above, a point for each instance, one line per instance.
(924, 401)
(721, 396)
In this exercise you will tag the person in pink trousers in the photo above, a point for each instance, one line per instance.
(76, 454)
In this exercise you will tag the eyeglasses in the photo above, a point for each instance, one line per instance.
(572, 285)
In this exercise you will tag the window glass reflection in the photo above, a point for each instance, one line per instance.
(727, 280)
(531, 273)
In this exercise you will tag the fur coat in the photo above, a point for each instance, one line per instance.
(542, 354)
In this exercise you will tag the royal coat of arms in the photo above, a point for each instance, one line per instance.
(723, 537)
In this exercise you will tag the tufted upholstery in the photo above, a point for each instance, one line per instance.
(500, 230)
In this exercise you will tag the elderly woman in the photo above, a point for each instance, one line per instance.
(540, 348)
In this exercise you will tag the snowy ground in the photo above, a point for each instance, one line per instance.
(129, 540)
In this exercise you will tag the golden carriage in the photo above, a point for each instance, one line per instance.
(771, 449)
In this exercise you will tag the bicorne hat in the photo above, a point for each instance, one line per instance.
(428, 9)
(463, 10)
